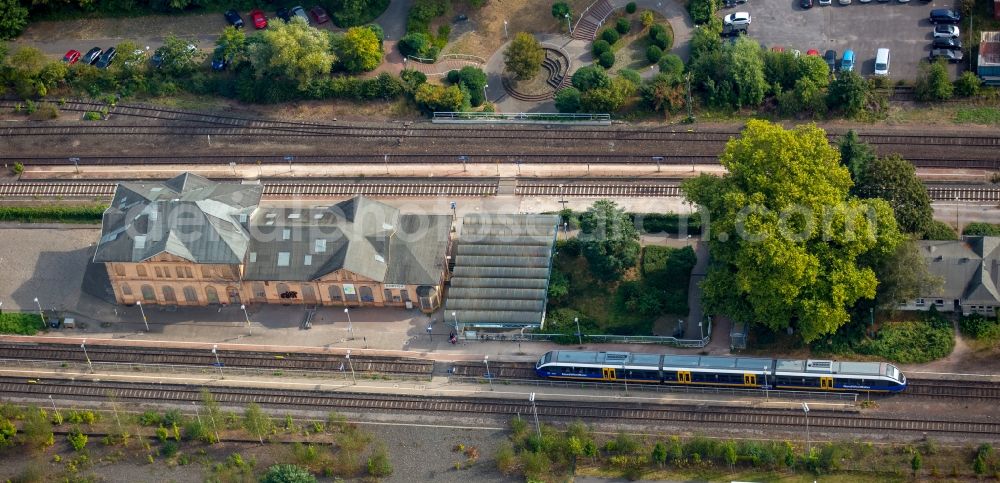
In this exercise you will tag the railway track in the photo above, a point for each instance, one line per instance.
(956, 389)
(616, 411)
(455, 188)
(203, 358)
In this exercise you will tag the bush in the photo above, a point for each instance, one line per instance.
(590, 77)
(981, 229)
(77, 439)
(939, 230)
(660, 36)
(912, 342)
(452, 76)
(606, 60)
(654, 54)
(379, 465)
(980, 327)
(702, 11)
(932, 83)
(622, 25)
(18, 168)
(150, 418)
(630, 7)
(610, 36)
(968, 84)
(20, 323)
(46, 112)
(417, 44)
(671, 64)
(287, 474)
(422, 12)
(92, 116)
(568, 99)
(560, 10)
(631, 75)
(53, 213)
(599, 47)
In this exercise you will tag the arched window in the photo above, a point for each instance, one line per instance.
(335, 293)
(366, 294)
(259, 293)
(169, 296)
(234, 295)
(212, 294)
(148, 295)
(308, 294)
(190, 295)
(126, 289)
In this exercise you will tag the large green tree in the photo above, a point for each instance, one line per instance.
(854, 154)
(360, 50)
(932, 82)
(32, 73)
(610, 241)
(232, 44)
(903, 275)
(747, 66)
(786, 236)
(848, 94)
(895, 180)
(292, 51)
(180, 57)
(13, 18)
(524, 56)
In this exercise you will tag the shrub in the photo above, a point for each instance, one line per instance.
(150, 418)
(939, 230)
(610, 36)
(18, 167)
(599, 47)
(606, 60)
(631, 75)
(49, 213)
(622, 25)
(92, 116)
(980, 327)
(19, 323)
(671, 65)
(46, 112)
(590, 77)
(968, 84)
(630, 7)
(981, 229)
(416, 44)
(560, 10)
(654, 54)
(660, 36)
(647, 19)
(912, 341)
(932, 83)
(77, 439)
(378, 463)
(568, 99)
(287, 474)
(453, 76)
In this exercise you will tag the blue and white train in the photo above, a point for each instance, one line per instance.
(747, 372)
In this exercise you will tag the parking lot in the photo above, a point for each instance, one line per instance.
(903, 28)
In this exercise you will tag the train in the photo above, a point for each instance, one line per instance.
(718, 371)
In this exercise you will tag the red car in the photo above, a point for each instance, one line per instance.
(812, 52)
(319, 14)
(258, 19)
(71, 57)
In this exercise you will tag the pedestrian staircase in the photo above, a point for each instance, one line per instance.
(593, 18)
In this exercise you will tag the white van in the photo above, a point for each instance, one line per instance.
(882, 62)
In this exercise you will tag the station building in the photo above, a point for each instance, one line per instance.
(190, 241)
(969, 270)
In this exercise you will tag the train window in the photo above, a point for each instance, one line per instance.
(669, 376)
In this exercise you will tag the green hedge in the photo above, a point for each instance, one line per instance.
(21, 324)
(912, 341)
(665, 223)
(53, 213)
(980, 327)
(981, 229)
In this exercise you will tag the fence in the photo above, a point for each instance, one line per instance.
(522, 118)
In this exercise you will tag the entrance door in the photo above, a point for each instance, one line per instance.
(750, 380)
(826, 383)
(609, 374)
(684, 377)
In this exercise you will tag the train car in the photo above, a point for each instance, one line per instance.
(747, 372)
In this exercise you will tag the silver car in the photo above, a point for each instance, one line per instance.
(946, 31)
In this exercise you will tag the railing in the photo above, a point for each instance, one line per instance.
(422, 60)
(521, 117)
(606, 339)
(471, 58)
(667, 388)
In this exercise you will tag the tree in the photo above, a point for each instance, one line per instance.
(903, 275)
(180, 57)
(599, 47)
(291, 51)
(287, 474)
(232, 44)
(854, 154)
(654, 54)
(748, 71)
(895, 180)
(360, 50)
(814, 68)
(610, 36)
(257, 422)
(474, 80)
(417, 44)
(968, 84)
(608, 99)
(590, 77)
(783, 69)
(623, 26)
(659, 455)
(847, 93)
(610, 241)
(932, 82)
(560, 10)
(524, 56)
(786, 248)
(606, 59)
(13, 19)
(32, 74)
(672, 65)
(435, 98)
(568, 99)
(664, 93)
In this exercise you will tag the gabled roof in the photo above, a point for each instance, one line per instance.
(968, 267)
(187, 216)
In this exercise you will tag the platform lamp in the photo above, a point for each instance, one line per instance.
(83, 345)
(245, 314)
(351, 364)
(454, 316)
(805, 409)
(489, 377)
(350, 326)
(40, 313)
(143, 312)
(215, 352)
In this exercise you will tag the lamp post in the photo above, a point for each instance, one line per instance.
(350, 326)
(40, 313)
(289, 159)
(805, 409)
(76, 164)
(579, 335)
(351, 364)
(701, 333)
(54, 410)
(83, 346)
(489, 377)
(625, 377)
(569, 26)
(218, 363)
(767, 393)
(454, 316)
(486, 98)
(245, 314)
(143, 312)
(534, 410)
(504, 29)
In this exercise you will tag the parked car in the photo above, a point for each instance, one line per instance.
(844, 2)
(946, 31)
(301, 13)
(825, 3)
(847, 62)
(105, 59)
(806, 4)
(319, 15)
(283, 14)
(831, 59)
(943, 43)
(738, 18)
(234, 19)
(812, 52)
(882, 62)
(92, 55)
(733, 30)
(219, 63)
(947, 54)
(258, 19)
(946, 16)
(71, 57)
(864, 1)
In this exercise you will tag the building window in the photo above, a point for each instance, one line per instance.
(920, 302)
(188, 272)
(180, 272)
(206, 271)
(148, 294)
(334, 293)
(190, 295)
(126, 290)
(166, 272)
(140, 270)
(119, 270)
(169, 296)
(159, 273)
(388, 294)
(212, 294)
(939, 302)
(234, 295)
(404, 295)
(259, 293)
(366, 294)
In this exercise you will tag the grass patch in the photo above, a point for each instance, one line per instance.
(978, 115)
(21, 324)
(53, 213)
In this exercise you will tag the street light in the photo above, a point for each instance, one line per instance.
(217, 362)
(486, 360)
(534, 409)
(568, 25)
(767, 393)
(40, 313)
(579, 335)
(83, 346)
(143, 312)
(245, 314)
(289, 159)
(454, 317)
(76, 164)
(624, 377)
(504, 29)
(353, 378)
(701, 332)
(485, 97)
(350, 326)
(658, 160)
(805, 409)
